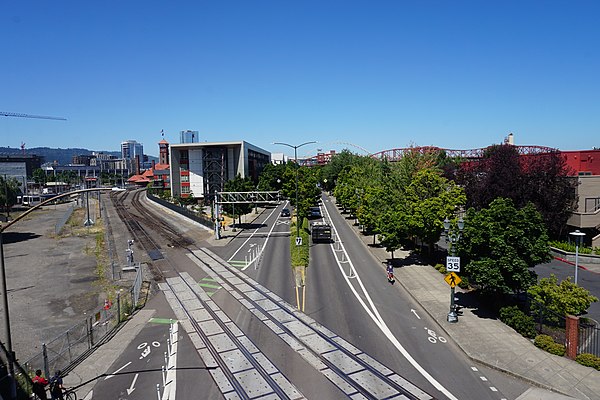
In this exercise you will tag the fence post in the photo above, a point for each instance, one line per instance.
(571, 335)
(45, 357)
(118, 308)
(91, 331)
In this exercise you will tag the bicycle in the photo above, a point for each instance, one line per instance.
(70, 394)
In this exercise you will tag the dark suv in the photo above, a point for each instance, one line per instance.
(285, 212)
(314, 212)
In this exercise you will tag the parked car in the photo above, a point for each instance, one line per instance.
(285, 212)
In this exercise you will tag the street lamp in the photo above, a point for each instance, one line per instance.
(578, 237)
(453, 237)
(296, 161)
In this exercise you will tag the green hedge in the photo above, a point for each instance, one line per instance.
(299, 254)
(589, 360)
(546, 342)
(570, 247)
(518, 320)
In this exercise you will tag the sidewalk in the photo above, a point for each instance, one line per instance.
(489, 341)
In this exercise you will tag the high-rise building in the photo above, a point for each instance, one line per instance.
(130, 149)
(189, 137)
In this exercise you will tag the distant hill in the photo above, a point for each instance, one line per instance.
(61, 156)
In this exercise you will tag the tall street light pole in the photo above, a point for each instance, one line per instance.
(578, 236)
(453, 237)
(296, 161)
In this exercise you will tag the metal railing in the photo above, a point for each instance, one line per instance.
(589, 339)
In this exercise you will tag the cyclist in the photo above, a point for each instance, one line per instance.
(390, 273)
(56, 386)
(39, 385)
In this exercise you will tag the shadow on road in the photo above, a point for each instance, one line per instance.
(16, 237)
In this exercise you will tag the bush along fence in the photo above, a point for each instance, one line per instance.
(571, 336)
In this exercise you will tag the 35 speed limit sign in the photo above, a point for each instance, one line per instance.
(453, 264)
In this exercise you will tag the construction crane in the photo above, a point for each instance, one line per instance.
(21, 115)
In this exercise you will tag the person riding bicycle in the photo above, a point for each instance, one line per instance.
(56, 386)
(39, 385)
(390, 272)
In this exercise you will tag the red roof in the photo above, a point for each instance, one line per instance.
(161, 166)
(138, 179)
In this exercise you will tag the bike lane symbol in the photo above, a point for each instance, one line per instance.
(433, 337)
(146, 349)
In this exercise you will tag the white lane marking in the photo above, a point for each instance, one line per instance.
(474, 369)
(252, 234)
(132, 386)
(483, 378)
(117, 371)
(380, 322)
(493, 389)
(171, 378)
(412, 310)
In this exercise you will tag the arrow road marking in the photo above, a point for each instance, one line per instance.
(119, 370)
(412, 310)
(132, 387)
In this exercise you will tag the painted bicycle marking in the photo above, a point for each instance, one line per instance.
(433, 337)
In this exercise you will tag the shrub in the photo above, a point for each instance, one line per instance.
(589, 360)
(518, 320)
(546, 342)
(464, 283)
(441, 268)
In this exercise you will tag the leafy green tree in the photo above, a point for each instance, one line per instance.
(39, 176)
(337, 164)
(502, 244)
(9, 188)
(271, 177)
(238, 184)
(308, 191)
(540, 179)
(562, 299)
(430, 198)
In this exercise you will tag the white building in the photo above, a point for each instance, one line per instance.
(201, 168)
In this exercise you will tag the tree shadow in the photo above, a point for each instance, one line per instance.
(16, 237)
(249, 226)
(479, 305)
(412, 259)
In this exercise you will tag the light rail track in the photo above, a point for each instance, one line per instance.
(219, 341)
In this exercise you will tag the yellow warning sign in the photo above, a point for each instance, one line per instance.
(452, 279)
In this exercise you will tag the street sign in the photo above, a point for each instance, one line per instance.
(298, 241)
(452, 279)
(453, 264)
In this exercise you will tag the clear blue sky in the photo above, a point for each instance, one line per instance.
(376, 74)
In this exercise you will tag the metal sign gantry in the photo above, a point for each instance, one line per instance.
(254, 197)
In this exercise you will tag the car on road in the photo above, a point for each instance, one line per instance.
(285, 212)
(314, 212)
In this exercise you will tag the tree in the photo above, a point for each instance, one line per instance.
(39, 176)
(238, 184)
(271, 177)
(541, 179)
(430, 198)
(501, 245)
(9, 188)
(562, 299)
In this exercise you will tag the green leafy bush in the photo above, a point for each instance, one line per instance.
(464, 283)
(441, 268)
(589, 360)
(518, 320)
(546, 342)
(570, 247)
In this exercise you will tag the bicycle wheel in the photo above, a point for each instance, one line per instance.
(71, 396)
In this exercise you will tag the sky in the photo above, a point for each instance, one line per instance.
(364, 75)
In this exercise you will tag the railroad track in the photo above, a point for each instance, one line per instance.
(353, 371)
(219, 341)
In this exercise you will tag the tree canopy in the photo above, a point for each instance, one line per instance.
(501, 244)
(540, 179)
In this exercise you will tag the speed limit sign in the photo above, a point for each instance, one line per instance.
(453, 264)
